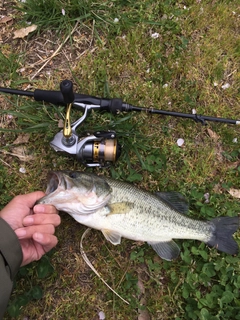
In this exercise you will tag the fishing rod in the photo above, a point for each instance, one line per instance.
(100, 148)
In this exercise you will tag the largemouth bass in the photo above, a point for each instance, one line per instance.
(120, 209)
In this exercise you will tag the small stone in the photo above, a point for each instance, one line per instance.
(180, 142)
(22, 170)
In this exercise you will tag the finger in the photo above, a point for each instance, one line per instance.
(23, 204)
(41, 219)
(44, 208)
(29, 199)
(48, 241)
(27, 232)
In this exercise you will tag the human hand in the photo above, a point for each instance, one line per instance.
(33, 225)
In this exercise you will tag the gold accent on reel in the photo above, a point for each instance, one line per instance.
(105, 149)
(67, 130)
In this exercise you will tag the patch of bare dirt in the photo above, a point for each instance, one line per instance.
(43, 53)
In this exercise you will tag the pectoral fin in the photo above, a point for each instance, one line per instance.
(167, 250)
(120, 207)
(113, 237)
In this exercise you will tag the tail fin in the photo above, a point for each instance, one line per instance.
(224, 228)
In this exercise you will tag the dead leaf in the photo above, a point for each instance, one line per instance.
(22, 138)
(20, 152)
(234, 193)
(21, 33)
(5, 19)
(143, 313)
(140, 287)
(217, 188)
(60, 123)
(233, 165)
(212, 135)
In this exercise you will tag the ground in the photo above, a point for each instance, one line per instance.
(173, 55)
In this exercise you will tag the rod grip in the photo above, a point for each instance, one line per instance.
(54, 97)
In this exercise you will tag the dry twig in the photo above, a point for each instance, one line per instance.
(56, 52)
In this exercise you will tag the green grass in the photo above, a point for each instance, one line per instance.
(196, 53)
(61, 15)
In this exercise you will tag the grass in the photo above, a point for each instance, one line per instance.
(184, 68)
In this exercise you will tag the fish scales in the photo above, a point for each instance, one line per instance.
(149, 212)
(120, 209)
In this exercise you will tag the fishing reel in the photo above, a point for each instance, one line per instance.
(101, 148)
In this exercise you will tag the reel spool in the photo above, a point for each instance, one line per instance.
(100, 149)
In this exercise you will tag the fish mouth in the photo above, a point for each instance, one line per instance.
(55, 180)
(68, 189)
(63, 180)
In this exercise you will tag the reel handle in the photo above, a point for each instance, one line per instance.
(66, 87)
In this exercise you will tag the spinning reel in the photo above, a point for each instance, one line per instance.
(101, 148)
(98, 149)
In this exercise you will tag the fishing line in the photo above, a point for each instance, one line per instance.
(88, 262)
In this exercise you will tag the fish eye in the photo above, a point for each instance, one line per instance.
(73, 175)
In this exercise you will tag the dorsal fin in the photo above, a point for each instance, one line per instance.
(175, 200)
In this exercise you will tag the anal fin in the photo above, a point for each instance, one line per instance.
(167, 250)
(113, 237)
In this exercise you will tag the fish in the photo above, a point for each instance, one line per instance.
(120, 209)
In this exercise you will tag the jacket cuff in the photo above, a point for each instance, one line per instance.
(10, 248)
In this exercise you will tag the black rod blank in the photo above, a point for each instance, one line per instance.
(17, 92)
(195, 117)
(110, 105)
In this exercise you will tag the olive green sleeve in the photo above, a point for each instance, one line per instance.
(10, 261)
